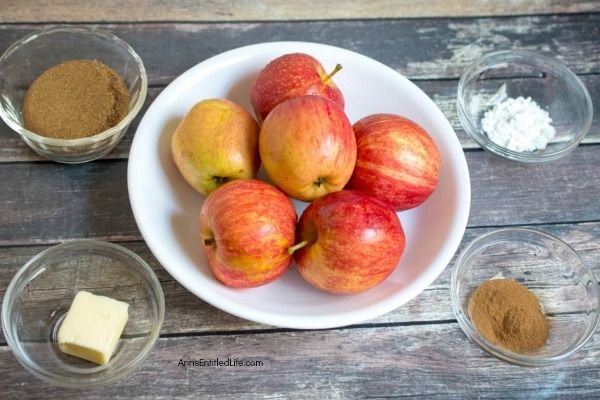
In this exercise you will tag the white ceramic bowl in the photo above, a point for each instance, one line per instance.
(166, 207)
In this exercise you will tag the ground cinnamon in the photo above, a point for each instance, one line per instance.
(75, 99)
(508, 314)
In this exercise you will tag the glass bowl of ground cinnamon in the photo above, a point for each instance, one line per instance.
(71, 92)
(525, 296)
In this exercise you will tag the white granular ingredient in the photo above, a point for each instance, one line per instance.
(518, 124)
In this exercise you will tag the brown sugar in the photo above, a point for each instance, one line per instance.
(75, 99)
(508, 314)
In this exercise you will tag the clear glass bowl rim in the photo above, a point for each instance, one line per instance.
(57, 379)
(531, 58)
(34, 137)
(475, 336)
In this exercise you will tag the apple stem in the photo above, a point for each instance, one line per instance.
(219, 180)
(337, 68)
(209, 242)
(295, 247)
(320, 180)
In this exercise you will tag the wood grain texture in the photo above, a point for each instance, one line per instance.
(186, 314)
(425, 49)
(273, 10)
(433, 361)
(53, 202)
(170, 49)
(416, 350)
(443, 93)
(50, 202)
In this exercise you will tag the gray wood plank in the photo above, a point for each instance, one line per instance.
(267, 10)
(422, 48)
(417, 349)
(433, 361)
(443, 92)
(189, 315)
(49, 202)
(508, 193)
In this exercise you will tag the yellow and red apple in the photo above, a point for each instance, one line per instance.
(397, 160)
(348, 242)
(307, 147)
(292, 75)
(246, 228)
(217, 141)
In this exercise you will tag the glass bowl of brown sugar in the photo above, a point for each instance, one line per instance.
(71, 92)
(525, 296)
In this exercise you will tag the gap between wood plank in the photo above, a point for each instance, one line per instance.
(272, 10)
(190, 314)
(449, 43)
(440, 90)
(268, 331)
(280, 330)
(284, 21)
(140, 239)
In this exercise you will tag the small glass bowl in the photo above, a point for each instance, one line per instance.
(565, 286)
(42, 291)
(514, 73)
(29, 57)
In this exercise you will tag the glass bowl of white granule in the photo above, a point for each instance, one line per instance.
(523, 106)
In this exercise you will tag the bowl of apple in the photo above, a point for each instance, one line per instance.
(310, 188)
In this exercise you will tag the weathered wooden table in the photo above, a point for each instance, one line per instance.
(418, 349)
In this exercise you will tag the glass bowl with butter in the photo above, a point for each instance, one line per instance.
(74, 118)
(83, 313)
(523, 106)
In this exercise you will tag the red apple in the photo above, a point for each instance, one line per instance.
(348, 242)
(292, 75)
(246, 228)
(397, 160)
(307, 147)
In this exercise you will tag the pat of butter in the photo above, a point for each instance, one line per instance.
(92, 327)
